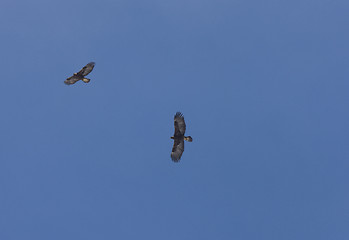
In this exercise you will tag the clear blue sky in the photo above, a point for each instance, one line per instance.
(264, 89)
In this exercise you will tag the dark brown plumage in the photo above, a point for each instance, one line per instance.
(81, 74)
(178, 137)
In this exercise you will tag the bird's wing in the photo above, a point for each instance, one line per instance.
(87, 69)
(177, 150)
(179, 124)
(71, 80)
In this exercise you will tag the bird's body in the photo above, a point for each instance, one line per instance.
(178, 137)
(81, 74)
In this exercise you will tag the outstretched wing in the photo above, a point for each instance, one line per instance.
(87, 69)
(177, 150)
(73, 79)
(179, 124)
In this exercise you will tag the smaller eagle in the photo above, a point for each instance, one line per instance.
(178, 137)
(81, 74)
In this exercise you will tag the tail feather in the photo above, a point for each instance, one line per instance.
(86, 80)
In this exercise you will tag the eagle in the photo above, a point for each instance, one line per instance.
(178, 137)
(81, 74)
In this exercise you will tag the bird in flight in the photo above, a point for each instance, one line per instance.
(178, 137)
(81, 74)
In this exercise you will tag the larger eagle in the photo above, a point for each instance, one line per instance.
(178, 137)
(81, 74)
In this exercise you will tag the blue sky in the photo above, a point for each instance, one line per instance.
(263, 86)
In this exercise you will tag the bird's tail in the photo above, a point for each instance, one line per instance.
(189, 139)
(86, 80)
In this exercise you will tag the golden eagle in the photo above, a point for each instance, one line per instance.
(178, 137)
(81, 74)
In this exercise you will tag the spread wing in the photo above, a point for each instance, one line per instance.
(87, 69)
(179, 124)
(73, 79)
(177, 150)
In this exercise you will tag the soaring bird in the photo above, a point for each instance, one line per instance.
(178, 137)
(81, 74)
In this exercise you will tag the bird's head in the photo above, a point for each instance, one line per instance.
(189, 139)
